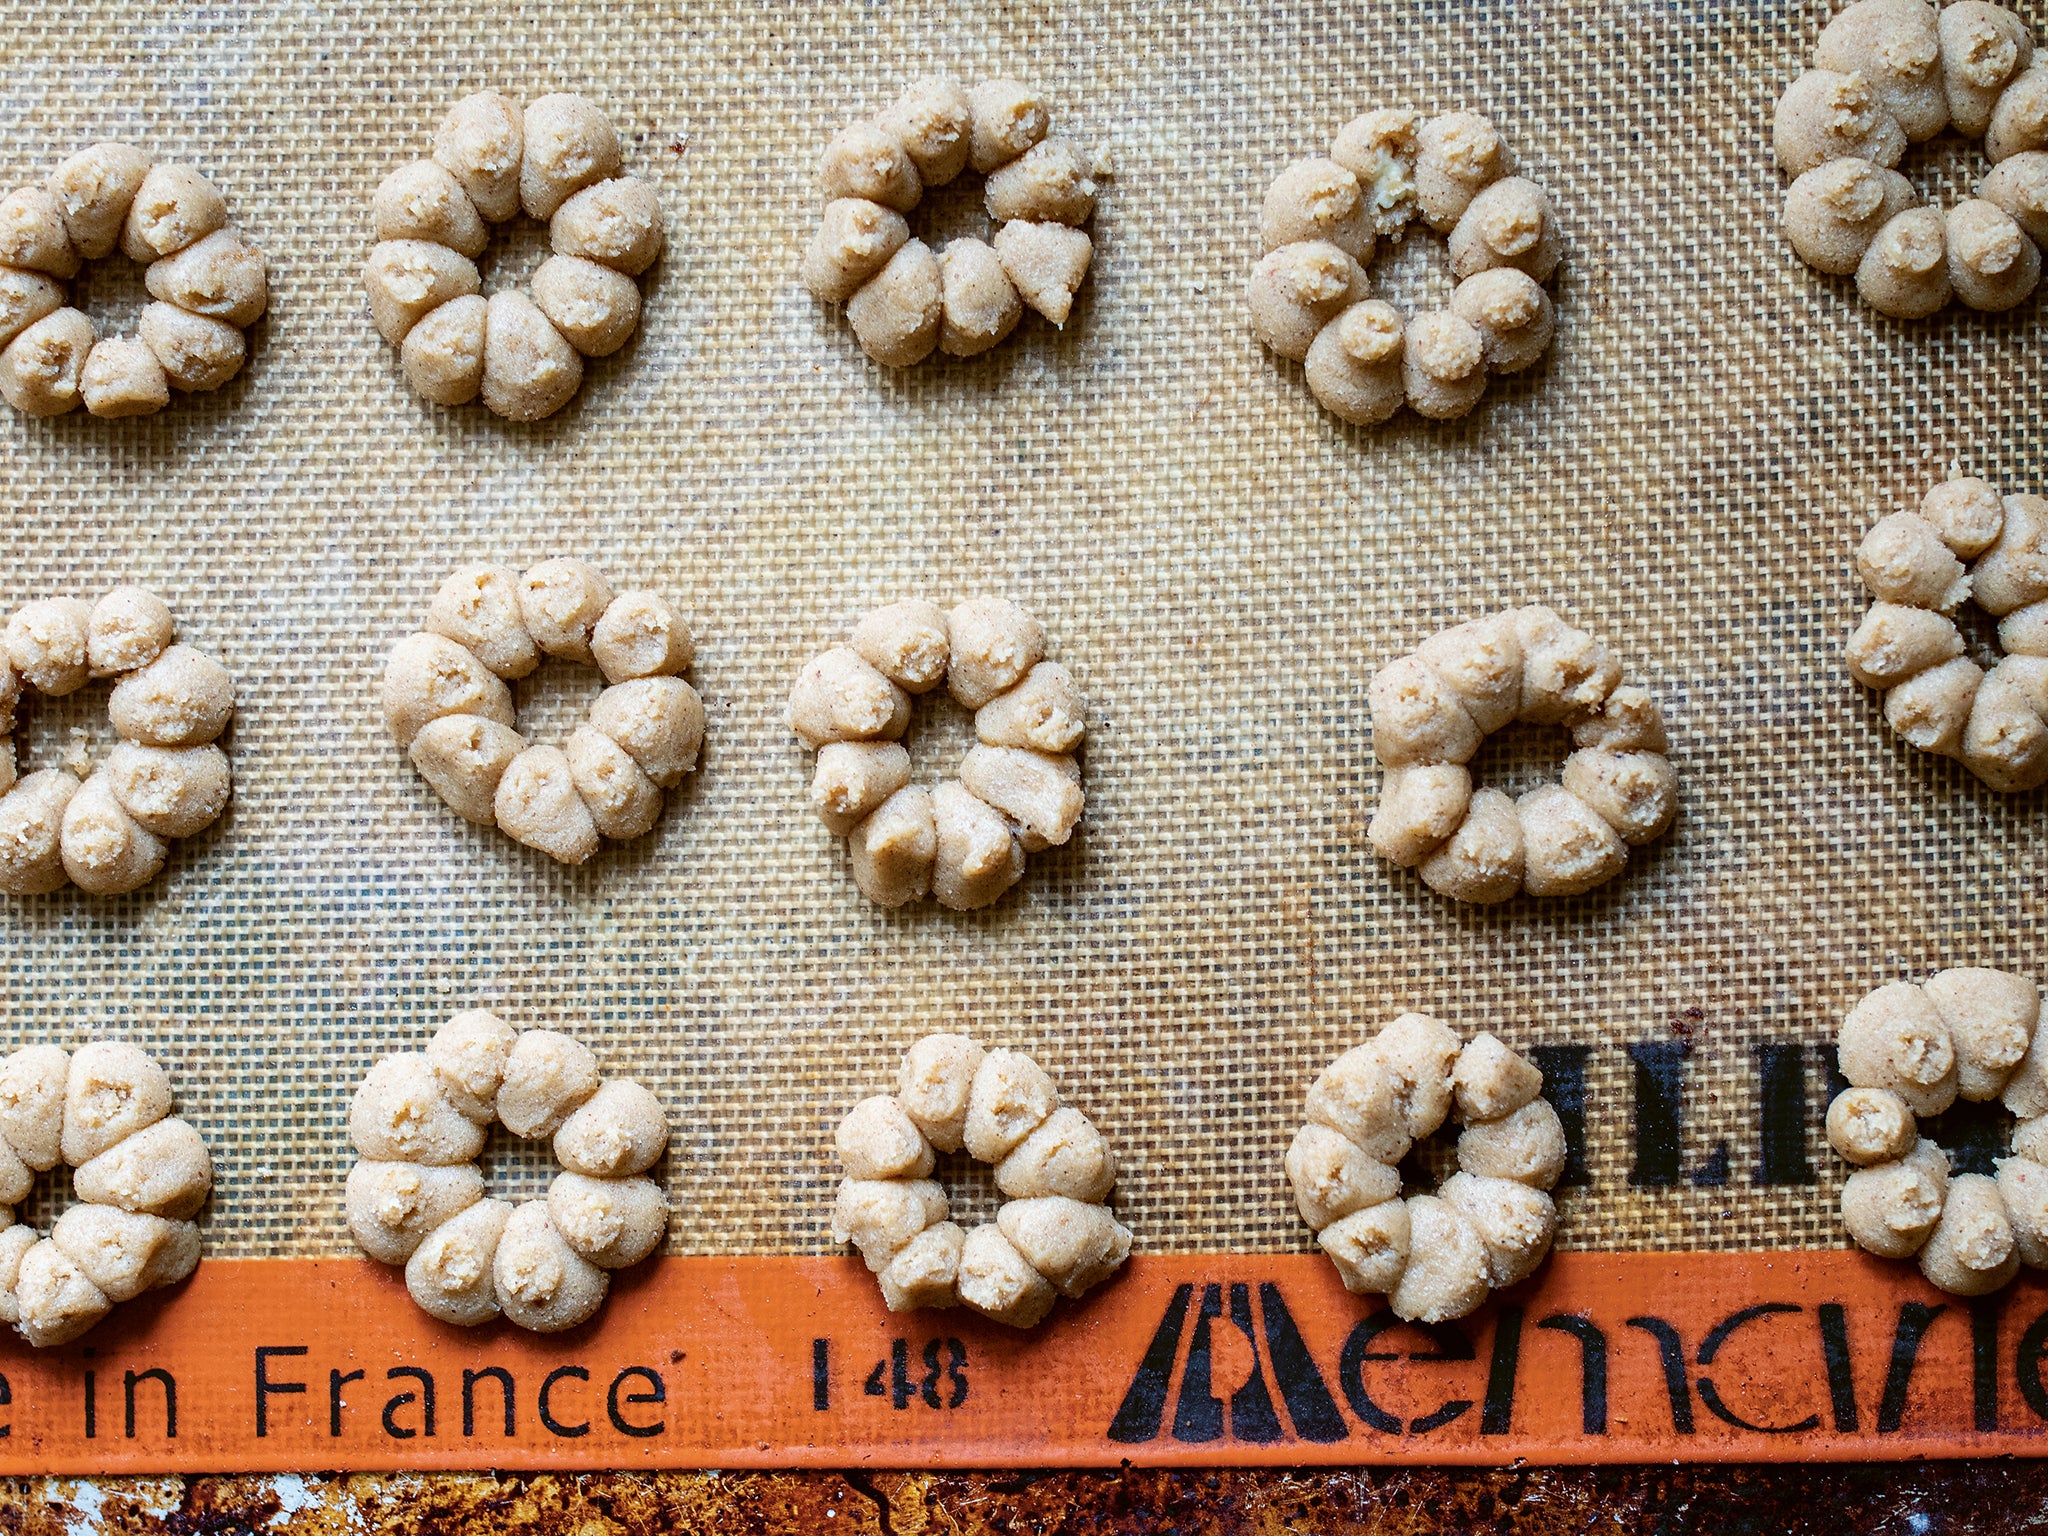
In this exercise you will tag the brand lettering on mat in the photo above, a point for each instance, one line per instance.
(1178, 1390)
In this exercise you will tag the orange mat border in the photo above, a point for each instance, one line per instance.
(1183, 1360)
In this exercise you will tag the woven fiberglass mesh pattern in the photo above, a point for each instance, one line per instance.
(1221, 564)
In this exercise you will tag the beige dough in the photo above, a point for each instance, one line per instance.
(557, 159)
(1435, 1257)
(1053, 1236)
(1018, 791)
(1323, 219)
(906, 301)
(139, 1176)
(446, 702)
(418, 1197)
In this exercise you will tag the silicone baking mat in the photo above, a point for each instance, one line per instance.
(1221, 564)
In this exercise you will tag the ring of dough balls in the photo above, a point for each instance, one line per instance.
(522, 349)
(1431, 710)
(1909, 649)
(1054, 1235)
(1434, 1257)
(165, 779)
(207, 281)
(417, 1198)
(1323, 221)
(1019, 788)
(1909, 1051)
(447, 704)
(903, 300)
(1892, 72)
(139, 1174)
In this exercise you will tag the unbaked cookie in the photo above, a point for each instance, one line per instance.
(208, 282)
(1325, 219)
(1018, 790)
(447, 704)
(1435, 1257)
(906, 301)
(1910, 1051)
(520, 350)
(1431, 710)
(1889, 73)
(139, 1173)
(1908, 647)
(166, 779)
(417, 1198)
(1054, 1236)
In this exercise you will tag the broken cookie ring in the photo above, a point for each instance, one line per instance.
(1909, 1051)
(902, 300)
(1323, 220)
(1431, 710)
(139, 1173)
(522, 349)
(417, 1198)
(165, 779)
(1434, 1257)
(1909, 649)
(1018, 791)
(1894, 72)
(1053, 1237)
(446, 704)
(208, 282)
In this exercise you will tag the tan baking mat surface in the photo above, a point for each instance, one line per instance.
(1219, 562)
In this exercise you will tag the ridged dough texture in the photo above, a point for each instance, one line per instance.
(447, 704)
(1433, 708)
(905, 301)
(165, 779)
(1055, 1235)
(1909, 1050)
(417, 1198)
(1017, 792)
(139, 1176)
(1325, 219)
(1890, 73)
(1436, 1256)
(208, 282)
(1995, 722)
(520, 350)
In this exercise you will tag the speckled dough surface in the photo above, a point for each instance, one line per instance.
(1219, 561)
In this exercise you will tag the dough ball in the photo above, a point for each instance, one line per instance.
(392, 1207)
(548, 1076)
(542, 1283)
(610, 1222)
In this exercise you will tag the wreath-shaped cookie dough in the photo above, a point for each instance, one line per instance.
(139, 1174)
(1434, 1257)
(208, 283)
(446, 703)
(1909, 649)
(1323, 220)
(903, 300)
(522, 351)
(1893, 72)
(417, 1198)
(1019, 790)
(1914, 1050)
(1053, 1237)
(166, 778)
(1430, 711)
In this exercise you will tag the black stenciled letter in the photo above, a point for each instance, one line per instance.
(1564, 1085)
(336, 1380)
(547, 1414)
(503, 1378)
(265, 1386)
(1671, 1354)
(2026, 1366)
(1914, 1319)
(1781, 1112)
(1711, 1345)
(1144, 1405)
(659, 1394)
(6, 1401)
(1660, 1111)
(425, 1395)
(163, 1377)
(1592, 1367)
